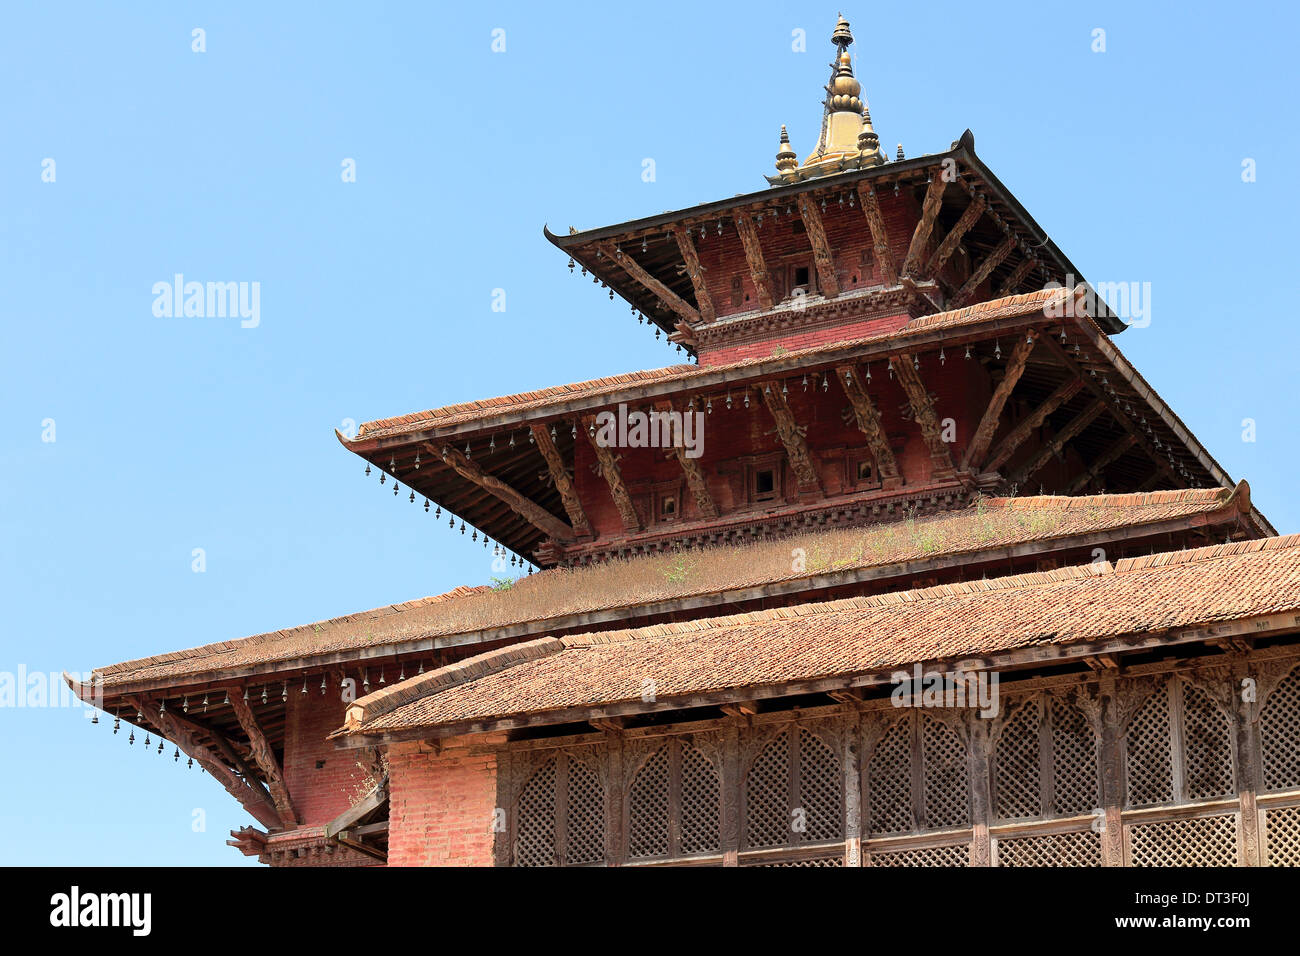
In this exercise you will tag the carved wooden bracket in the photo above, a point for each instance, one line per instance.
(696, 273)
(925, 415)
(607, 466)
(1034, 420)
(1059, 441)
(879, 238)
(265, 757)
(561, 478)
(982, 272)
(695, 479)
(666, 295)
(925, 225)
(955, 234)
(988, 426)
(754, 256)
(868, 418)
(821, 247)
(791, 434)
(523, 506)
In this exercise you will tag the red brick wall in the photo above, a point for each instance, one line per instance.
(441, 807)
(319, 794)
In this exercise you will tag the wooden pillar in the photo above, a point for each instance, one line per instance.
(979, 747)
(1110, 761)
(1250, 846)
(851, 766)
(730, 822)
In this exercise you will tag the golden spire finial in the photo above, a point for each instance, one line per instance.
(847, 139)
(786, 160)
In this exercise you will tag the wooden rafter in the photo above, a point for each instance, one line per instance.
(955, 234)
(879, 237)
(982, 272)
(868, 418)
(925, 416)
(562, 480)
(1066, 435)
(791, 434)
(607, 467)
(821, 247)
(925, 225)
(1018, 275)
(1107, 458)
(1034, 420)
(520, 504)
(988, 426)
(1130, 426)
(695, 479)
(246, 790)
(665, 295)
(265, 757)
(754, 256)
(696, 272)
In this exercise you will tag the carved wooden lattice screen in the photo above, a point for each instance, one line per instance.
(560, 810)
(674, 800)
(793, 792)
(1179, 743)
(942, 787)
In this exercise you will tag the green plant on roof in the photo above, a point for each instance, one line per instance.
(502, 584)
(779, 351)
(679, 569)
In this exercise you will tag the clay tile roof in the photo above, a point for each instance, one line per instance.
(862, 635)
(605, 593)
(1007, 307)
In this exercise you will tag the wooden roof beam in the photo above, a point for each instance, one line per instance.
(982, 272)
(879, 237)
(695, 479)
(696, 273)
(562, 480)
(869, 423)
(791, 434)
(1018, 275)
(925, 225)
(754, 256)
(1066, 435)
(955, 235)
(525, 507)
(607, 467)
(973, 459)
(1109, 457)
(1034, 420)
(1160, 461)
(265, 757)
(925, 416)
(246, 790)
(665, 295)
(821, 247)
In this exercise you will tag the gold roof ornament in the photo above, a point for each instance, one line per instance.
(847, 140)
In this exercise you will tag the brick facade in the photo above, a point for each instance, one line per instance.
(442, 807)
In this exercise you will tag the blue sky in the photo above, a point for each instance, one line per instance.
(375, 297)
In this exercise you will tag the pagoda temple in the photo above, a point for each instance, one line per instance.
(922, 573)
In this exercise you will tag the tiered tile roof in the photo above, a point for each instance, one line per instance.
(1156, 595)
(725, 574)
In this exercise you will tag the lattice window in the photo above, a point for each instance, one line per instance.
(794, 791)
(1279, 734)
(535, 831)
(1082, 848)
(1200, 841)
(700, 802)
(958, 854)
(1017, 789)
(919, 767)
(647, 802)
(821, 789)
(945, 772)
(674, 803)
(560, 813)
(1149, 764)
(767, 795)
(889, 775)
(586, 817)
(1282, 836)
(1207, 745)
(1075, 778)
